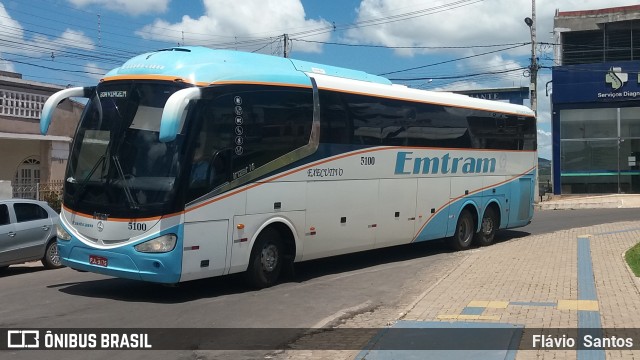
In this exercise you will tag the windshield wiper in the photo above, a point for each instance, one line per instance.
(85, 181)
(125, 183)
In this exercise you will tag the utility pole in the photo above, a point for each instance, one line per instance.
(285, 37)
(533, 73)
(533, 68)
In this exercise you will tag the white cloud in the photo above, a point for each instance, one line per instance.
(241, 21)
(68, 39)
(544, 144)
(478, 23)
(77, 39)
(7, 66)
(13, 33)
(129, 7)
(93, 71)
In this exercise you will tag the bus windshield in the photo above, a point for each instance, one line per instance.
(117, 164)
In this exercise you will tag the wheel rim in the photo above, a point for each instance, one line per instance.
(54, 256)
(464, 231)
(269, 257)
(487, 225)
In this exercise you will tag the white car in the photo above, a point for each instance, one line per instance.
(28, 233)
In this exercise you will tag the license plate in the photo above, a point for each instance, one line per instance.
(98, 260)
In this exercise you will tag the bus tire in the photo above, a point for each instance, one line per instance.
(488, 227)
(266, 259)
(465, 228)
(51, 259)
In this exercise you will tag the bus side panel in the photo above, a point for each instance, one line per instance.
(204, 249)
(521, 207)
(433, 195)
(462, 189)
(277, 196)
(396, 212)
(343, 214)
(495, 189)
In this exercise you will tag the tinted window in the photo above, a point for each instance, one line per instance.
(367, 120)
(29, 212)
(335, 127)
(503, 132)
(244, 129)
(4, 215)
(117, 164)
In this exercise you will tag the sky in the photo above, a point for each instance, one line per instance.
(433, 45)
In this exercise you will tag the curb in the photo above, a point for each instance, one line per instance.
(579, 205)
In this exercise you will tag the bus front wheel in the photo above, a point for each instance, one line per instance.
(266, 260)
(465, 229)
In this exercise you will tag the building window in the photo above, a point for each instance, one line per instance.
(614, 41)
(26, 105)
(600, 150)
(588, 124)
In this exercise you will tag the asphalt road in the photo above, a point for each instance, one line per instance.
(319, 293)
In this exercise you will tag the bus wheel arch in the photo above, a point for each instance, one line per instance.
(466, 227)
(274, 248)
(489, 224)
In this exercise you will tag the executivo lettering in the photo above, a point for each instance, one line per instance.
(407, 164)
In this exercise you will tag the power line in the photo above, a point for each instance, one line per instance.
(52, 68)
(123, 51)
(453, 60)
(458, 76)
(408, 47)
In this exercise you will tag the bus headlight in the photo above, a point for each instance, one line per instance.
(62, 234)
(164, 243)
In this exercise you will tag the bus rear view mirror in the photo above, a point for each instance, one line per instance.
(55, 99)
(175, 111)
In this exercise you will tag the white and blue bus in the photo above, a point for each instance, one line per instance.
(190, 163)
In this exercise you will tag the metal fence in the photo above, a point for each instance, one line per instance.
(50, 192)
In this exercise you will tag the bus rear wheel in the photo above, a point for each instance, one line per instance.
(266, 260)
(465, 228)
(488, 228)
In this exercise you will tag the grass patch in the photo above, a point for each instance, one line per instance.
(633, 259)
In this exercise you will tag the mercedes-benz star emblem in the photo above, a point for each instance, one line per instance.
(100, 226)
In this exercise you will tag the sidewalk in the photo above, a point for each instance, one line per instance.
(591, 202)
(571, 279)
(539, 282)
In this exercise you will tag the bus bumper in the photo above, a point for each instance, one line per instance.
(124, 262)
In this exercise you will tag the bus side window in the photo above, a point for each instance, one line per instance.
(508, 133)
(275, 122)
(334, 122)
(206, 170)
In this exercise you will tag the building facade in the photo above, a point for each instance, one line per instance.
(29, 158)
(596, 101)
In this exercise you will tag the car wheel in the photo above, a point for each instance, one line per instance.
(51, 259)
(488, 228)
(266, 260)
(465, 228)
